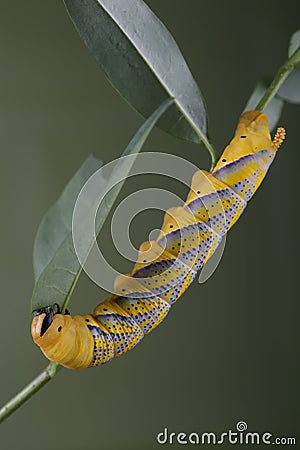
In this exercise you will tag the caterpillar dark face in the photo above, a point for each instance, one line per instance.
(165, 267)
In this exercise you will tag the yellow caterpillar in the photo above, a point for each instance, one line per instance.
(165, 267)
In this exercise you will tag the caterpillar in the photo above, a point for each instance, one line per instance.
(165, 267)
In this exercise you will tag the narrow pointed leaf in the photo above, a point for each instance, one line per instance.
(274, 108)
(294, 45)
(290, 90)
(58, 279)
(142, 61)
(57, 222)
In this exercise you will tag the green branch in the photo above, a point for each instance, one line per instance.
(212, 151)
(282, 74)
(35, 385)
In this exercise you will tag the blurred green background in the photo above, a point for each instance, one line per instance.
(229, 349)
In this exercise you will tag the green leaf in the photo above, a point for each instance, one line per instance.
(57, 222)
(58, 279)
(294, 45)
(142, 61)
(274, 108)
(290, 90)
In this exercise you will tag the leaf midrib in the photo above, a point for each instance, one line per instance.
(156, 74)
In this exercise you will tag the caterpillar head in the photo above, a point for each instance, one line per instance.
(63, 338)
(47, 326)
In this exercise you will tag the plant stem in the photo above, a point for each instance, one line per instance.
(212, 151)
(204, 140)
(282, 74)
(34, 386)
(209, 147)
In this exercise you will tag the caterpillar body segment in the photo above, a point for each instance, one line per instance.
(165, 268)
